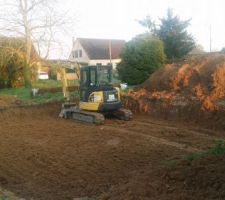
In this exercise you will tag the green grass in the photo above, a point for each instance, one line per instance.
(219, 148)
(23, 94)
(52, 83)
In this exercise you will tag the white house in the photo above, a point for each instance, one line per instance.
(96, 51)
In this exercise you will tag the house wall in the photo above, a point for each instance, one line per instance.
(83, 59)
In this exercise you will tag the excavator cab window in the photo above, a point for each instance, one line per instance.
(104, 75)
(84, 77)
(92, 76)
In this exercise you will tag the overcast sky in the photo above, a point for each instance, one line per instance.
(118, 18)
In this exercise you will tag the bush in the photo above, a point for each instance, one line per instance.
(53, 73)
(2, 83)
(140, 57)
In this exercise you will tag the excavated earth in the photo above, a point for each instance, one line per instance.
(190, 90)
(47, 158)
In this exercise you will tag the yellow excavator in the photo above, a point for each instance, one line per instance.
(98, 97)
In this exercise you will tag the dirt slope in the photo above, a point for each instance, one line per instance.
(197, 180)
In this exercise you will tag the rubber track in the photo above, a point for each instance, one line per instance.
(81, 115)
(123, 114)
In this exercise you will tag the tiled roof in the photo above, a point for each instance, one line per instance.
(99, 48)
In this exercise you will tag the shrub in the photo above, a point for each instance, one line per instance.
(140, 57)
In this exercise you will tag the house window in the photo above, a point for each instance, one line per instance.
(76, 53)
(80, 53)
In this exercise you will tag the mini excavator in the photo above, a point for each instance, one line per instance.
(98, 97)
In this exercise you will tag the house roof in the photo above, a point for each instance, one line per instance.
(99, 48)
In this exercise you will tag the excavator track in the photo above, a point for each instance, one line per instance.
(123, 114)
(71, 111)
(81, 115)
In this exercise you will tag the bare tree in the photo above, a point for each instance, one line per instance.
(38, 22)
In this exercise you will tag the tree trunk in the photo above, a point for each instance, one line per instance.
(28, 43)
(26, 75)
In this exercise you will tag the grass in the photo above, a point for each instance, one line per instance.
(23, 94)
(218, 149)
(52, 83)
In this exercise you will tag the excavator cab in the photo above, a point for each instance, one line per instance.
(96, 89)
(98, 97)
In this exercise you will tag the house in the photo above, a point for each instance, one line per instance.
(88, 51)
(70, 68)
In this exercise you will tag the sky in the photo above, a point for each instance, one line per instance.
(117, 19)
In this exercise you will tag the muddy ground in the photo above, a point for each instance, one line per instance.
(44, 157)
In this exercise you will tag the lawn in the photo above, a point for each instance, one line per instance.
(52, 83)
(24, 94)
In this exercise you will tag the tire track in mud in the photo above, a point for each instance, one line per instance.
(199, 130)
(154, 139)
(201, 133)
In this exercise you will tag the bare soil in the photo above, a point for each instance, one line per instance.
(8, 101)
(44, 157)
(192, 89)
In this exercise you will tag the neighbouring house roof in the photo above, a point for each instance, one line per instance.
(99, 48)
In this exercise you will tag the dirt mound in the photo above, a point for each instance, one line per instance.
(201, 77)
(194, 86)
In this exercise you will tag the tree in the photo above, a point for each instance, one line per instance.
(140, 57)
(173, 33)
(12, 57)
(149, 24)
(11, 62)
(37, 22)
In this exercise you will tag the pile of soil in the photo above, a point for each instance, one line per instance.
(193, 87)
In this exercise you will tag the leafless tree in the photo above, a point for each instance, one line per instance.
(38, 22)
